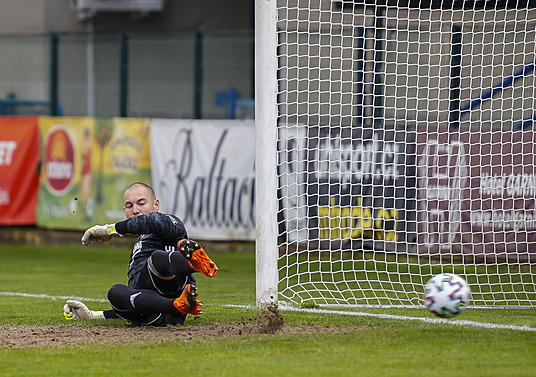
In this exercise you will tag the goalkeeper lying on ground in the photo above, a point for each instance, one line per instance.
(161, 285)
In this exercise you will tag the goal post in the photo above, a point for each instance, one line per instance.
(266, 248)
(395, 141)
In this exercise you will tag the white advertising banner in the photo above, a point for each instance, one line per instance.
(203, 171)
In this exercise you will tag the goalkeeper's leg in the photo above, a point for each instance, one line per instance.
(169, 265)
(145, 302)
(190, 258)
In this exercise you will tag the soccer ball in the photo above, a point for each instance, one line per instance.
(446, 295)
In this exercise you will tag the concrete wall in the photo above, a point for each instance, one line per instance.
(161, 56)
(43, 16)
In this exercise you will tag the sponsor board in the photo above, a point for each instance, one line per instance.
(349, 186)
(476, 191)
(203, 172)
(86, 165)
(19, 158)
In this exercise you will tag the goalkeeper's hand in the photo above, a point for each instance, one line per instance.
(99, 234)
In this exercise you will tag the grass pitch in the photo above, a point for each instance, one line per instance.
(36, 340)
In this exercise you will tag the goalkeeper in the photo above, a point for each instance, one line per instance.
(161, 286)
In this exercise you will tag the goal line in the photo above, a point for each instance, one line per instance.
(440, 321)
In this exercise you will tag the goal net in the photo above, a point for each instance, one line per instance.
(405, 148)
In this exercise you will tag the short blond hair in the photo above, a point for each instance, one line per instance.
(149, 188)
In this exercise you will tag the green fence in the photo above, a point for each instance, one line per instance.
(161, 75)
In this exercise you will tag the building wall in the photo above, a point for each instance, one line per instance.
(161, 59)
(22, 16)
(36, 17)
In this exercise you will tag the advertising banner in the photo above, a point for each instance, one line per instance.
(476, 191)
(348, 187)
(19, 158)
(203, 172)
(86, 165)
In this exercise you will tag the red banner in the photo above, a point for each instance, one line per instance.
(19, 158)
(477, 191)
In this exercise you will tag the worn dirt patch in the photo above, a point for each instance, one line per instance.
(268, 322)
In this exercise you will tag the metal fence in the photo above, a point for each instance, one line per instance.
(166, 75)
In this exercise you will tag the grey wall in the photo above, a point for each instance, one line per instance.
(43, 16)
(161, 60)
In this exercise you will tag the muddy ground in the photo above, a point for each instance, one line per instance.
(268, 322)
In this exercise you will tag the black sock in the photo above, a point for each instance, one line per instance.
(109, 314)
(141, 301)
(173, 263)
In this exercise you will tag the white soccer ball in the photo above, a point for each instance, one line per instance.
(446, 295)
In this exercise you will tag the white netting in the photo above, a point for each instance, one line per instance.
(405, 149)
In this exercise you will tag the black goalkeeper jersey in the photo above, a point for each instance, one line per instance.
(157, 231)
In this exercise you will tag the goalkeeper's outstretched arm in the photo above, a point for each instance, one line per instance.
(162, 225)
(98, 234)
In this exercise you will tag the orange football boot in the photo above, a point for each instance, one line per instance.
(197, 257)
(187, 302)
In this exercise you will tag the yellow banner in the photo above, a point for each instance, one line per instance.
(86, 165)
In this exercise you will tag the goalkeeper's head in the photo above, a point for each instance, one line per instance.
(139, 199)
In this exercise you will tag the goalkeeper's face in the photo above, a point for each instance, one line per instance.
(139, 200)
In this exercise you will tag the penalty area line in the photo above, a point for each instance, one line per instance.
(441, 321)
(38, 295)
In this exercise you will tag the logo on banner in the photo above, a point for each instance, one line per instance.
(346, 162)
(7, 147)
(214, 197)
(443, 169)
(4, 197)
(58, 160)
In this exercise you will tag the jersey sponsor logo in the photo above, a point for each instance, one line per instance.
(59, 163)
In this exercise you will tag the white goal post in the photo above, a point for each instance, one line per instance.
(266, 248)
(394, 141)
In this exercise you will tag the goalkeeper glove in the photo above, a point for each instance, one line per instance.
(99, 234)
(74, 309)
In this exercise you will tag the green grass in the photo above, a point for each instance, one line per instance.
(376, 278)
(371, 346)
